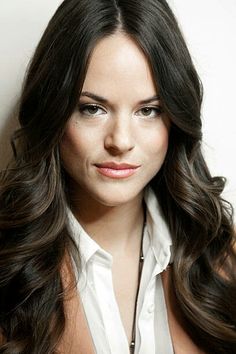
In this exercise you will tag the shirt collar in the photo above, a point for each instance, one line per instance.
(160, 237)
(86, 245)
(156, 226)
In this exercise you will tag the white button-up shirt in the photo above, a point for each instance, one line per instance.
(96, 289)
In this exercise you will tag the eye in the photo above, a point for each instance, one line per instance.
(151, 112)
(91, 110)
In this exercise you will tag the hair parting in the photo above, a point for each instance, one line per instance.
(35, 238)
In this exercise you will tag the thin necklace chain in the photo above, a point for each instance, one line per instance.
(141, 260)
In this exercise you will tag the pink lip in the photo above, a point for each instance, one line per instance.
(113, 170)
(116, 166)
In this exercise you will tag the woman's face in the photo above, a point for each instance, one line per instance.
(119, 120)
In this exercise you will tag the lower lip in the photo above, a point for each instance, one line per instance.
(110, 172)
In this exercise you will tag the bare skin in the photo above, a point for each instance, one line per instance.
(125, 272)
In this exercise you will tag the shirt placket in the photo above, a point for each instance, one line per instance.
(93, 311)
(145, 341)
(153, 305)
(146, 321)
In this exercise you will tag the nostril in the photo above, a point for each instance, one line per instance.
(119, 140)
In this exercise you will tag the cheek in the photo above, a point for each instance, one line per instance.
(158, 142)
(74, 144)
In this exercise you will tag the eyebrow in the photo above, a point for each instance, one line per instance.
(104, 100)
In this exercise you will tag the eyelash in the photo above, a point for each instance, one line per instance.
(83, 107)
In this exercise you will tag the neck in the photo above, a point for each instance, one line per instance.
(114, 228)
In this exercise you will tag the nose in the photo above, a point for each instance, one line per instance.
(119, 136)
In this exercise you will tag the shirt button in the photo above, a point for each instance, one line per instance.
(151, 308)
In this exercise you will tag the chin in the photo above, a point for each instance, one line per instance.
(116, 197)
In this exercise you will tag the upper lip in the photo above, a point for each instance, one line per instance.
(116, 166)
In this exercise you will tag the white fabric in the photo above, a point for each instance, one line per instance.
(97, 293)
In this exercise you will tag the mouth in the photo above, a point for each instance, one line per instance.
(116, 166)
(114, 170)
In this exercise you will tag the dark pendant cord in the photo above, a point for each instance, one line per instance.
(141, 260)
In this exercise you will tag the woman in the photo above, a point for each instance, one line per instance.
(114, 236)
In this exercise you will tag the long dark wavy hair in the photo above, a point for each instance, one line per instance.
(34, 232)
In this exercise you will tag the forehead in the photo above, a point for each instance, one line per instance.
(118, 65)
